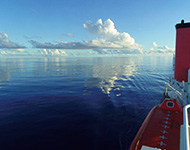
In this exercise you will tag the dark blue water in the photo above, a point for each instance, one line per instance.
(92, 103)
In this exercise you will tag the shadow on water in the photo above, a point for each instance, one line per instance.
(77, 103)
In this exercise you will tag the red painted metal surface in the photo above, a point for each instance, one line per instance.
(182, 58)
(161, 128)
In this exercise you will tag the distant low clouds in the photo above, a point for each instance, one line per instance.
(13, 51)
(117, 52)
(108, 38)
(161, 49)
(8, 47)
(59, 45)
(54, 52)
(5, 43)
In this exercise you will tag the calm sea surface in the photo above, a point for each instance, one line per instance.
(83, 103)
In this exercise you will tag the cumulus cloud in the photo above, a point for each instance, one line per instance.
(162, 49)
(54, 52)
(108, 38)
(5, 43)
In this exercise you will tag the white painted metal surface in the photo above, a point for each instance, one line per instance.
(186, 127)
(149, 148)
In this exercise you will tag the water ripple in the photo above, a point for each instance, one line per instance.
(78, 103)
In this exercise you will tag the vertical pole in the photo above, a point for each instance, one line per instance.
(188, 87)
(186, 127)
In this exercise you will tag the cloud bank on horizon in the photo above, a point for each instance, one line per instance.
(108, 38)
(55, 52)
(162, 49)
(108, 41)
(6, 44)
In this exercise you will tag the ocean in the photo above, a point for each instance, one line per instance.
(83, 103)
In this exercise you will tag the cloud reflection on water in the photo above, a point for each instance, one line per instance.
(7, 67)
(110, 74)
(106, 74)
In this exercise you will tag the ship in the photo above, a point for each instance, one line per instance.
(166, 127)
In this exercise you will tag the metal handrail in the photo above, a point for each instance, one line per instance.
(180, 89)
(186, 127)
(179, 92)
(175, 90)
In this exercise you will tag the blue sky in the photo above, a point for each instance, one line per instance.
(62, 21)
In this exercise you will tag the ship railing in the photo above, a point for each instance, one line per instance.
(182, 89)
(186, 130)
(178, 91)
(174, 93)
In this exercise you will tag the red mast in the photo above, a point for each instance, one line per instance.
(182, 58)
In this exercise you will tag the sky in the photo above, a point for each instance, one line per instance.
(72, 27)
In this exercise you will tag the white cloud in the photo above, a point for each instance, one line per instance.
(155, 45)
(54, 52)
(17, 52)
(3, 52)
(20, 50)
(5, 43)
(163, 49)
(12, 52)
(108, 38)
(100, 29)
